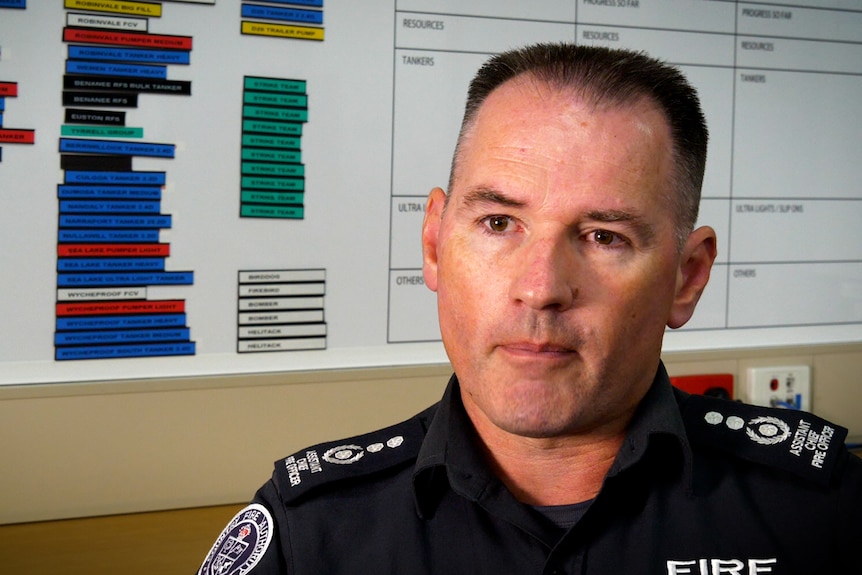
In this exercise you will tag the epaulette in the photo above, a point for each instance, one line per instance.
(795, 441)
(351, 458)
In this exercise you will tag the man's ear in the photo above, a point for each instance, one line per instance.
(695, 263)
(431, 236)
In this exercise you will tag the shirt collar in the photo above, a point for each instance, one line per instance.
(451, 458)
(658, 416)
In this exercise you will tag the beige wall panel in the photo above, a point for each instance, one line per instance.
(102, 454)
(82, 450)
(837, 388)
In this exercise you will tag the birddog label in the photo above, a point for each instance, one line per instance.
(242, 543)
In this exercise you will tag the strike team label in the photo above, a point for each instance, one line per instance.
(281, 310)
(272, 183)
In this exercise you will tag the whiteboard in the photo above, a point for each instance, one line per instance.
(213, 187)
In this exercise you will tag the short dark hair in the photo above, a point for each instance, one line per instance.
(607, 78)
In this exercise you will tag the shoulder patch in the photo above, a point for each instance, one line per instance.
(795, 441)
(349, 458)
(242, 543)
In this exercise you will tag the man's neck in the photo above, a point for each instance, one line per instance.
(550, 471)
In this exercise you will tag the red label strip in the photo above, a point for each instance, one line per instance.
(121, 308)
(127, 39)
(10, 136)
(9, 89)
(113, 250)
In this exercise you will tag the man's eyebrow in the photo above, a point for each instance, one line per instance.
(490, 196)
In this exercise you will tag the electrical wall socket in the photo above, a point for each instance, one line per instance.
(781, 386)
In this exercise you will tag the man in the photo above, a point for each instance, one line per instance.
(565, 246)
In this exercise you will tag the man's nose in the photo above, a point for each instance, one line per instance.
(545, 273)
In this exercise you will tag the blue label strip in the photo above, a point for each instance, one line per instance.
(87, 146)
(2, 103)
(67, 221)
(134, 178)
(285, 14)
(318, 3)
(110, 264)
(108, 207)
(125, 279)
(13, 4)
(129, 55)
(122, 336)
(109, 192)
(121, 351)
(122, 322)
(123, 70)
(108, 236)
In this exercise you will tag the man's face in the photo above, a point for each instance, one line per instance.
(555, 262)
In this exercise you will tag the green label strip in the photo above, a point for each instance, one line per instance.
(275, 85)
(294, 213)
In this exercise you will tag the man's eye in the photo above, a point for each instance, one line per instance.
(605, 238)
(497, 223)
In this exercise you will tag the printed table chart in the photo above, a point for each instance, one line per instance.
(780, 86)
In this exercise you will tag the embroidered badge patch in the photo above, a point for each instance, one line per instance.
(349, 459)
(242, 543)
(793, 440)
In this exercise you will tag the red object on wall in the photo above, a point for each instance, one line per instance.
(713, 384)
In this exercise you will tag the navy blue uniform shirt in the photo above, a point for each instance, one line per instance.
(701, 486)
